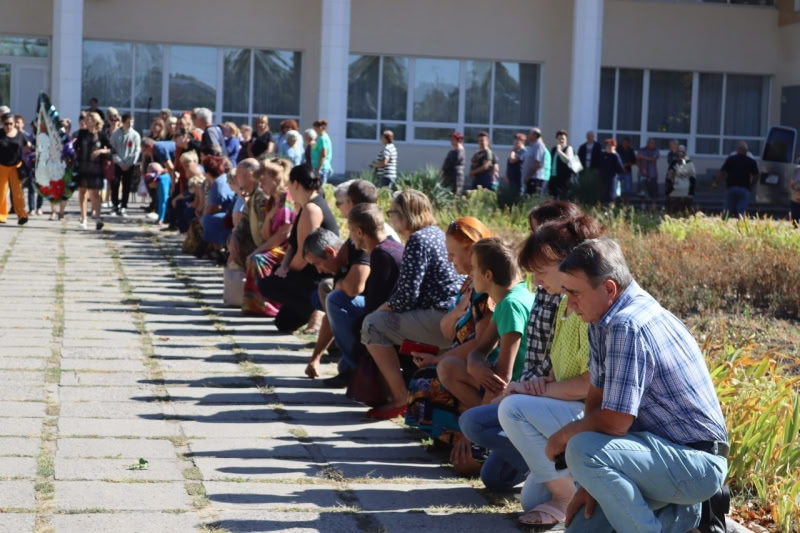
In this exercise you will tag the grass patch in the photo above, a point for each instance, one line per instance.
(197, 492)
(192, 474)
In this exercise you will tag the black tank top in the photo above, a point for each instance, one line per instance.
(328, 222)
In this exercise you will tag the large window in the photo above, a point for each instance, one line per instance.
(425, 99)
(23, 46)
(706, 111)
(237, 84)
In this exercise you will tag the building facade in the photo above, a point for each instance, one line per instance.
(704, 72)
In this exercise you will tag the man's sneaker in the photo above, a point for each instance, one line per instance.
(152, 216)
(123, 212)
(99, 225)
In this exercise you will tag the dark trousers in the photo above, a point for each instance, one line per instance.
(795, 213)
(294, 293)
(35, 201)
(126, 177)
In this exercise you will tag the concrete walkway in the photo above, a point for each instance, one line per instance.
(131, 401)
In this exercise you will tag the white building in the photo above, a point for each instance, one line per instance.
(704, 72)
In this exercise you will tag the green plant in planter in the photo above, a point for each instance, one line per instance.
(428, 182)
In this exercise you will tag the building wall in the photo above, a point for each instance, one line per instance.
(513, 30)
(269, 24)
(787, 13)
(28, 18)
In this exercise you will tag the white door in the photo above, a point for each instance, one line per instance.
(27, 81)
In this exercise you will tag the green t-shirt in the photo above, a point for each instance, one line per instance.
(323, 141)
(511, 315)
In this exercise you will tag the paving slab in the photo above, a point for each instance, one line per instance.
(375, 451)
(17, 467)
(266, 429)
(406, 497)
(389, 469)
(103, 352)
(136, 522)
(22, 376)
(288, 448)
(18, 494)
(146, 410)
(23, 363)
(23, 409)
(103, 365)
(251, 521)
(20, 427)
(117, 469)
(260, 469)
(28, 446)
(17, 522)
(143, 393)
(68, 427)
(114, 448)
(216, 396)
(239, 414)
(403, 522)
(225, 495)
(102, 379)
(76, 495)
(23, 393)
(24, 352)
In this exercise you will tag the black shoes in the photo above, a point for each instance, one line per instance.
(22, 221)
(99, 225)
(340, 381)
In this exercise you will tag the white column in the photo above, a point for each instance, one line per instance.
(334, 54)
(587, 49)
(67, 57)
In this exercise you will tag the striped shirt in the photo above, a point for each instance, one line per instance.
(388, 173)
(649, 366)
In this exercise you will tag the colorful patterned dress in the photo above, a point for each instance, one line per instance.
(262, 264)
(431, 407)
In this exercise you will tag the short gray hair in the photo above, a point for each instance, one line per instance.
(311, 133)
(320, 240)
(342, 189)
(601, 260)
(294, 134)
(205, 114)
(250, 164)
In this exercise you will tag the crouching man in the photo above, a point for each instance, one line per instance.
(652, 445)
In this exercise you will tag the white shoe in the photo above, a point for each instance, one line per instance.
(84, 225)
(152, 216)
(123, 212)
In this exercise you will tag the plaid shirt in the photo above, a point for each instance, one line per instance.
(541, 327)
(649, 366)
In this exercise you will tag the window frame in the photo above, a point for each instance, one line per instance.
(461, 124)
(692, 136)
(218, 110)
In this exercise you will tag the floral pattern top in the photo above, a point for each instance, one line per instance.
(427, 279)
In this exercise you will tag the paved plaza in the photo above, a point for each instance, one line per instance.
(132, 401)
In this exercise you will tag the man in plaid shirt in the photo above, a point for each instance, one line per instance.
(652, 445)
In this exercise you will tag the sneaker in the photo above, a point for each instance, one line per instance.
(152, 216)
(84, 225)
(123, 212)
(99, 225)
(22, 221)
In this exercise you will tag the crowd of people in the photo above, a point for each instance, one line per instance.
(541, 363)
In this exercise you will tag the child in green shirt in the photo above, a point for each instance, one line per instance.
(495, 271)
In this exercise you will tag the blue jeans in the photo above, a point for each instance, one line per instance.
(505, 468)
(343, 312)
(627, 182)
(642, 482)
(325, 175)
(736, 201)
(529, 421)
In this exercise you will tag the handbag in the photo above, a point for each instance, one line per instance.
(575, 164)
(367, 384)
(233, 292)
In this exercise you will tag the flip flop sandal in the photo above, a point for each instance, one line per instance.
(536, 517)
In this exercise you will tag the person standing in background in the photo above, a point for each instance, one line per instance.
(561, 172)
(740, 173)
(589, 151)
(385, 164)
(452, 171)
(514, 166)
(647, 159)
(322, 152)
(12, 142)
(628, 156)
(126, 145)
